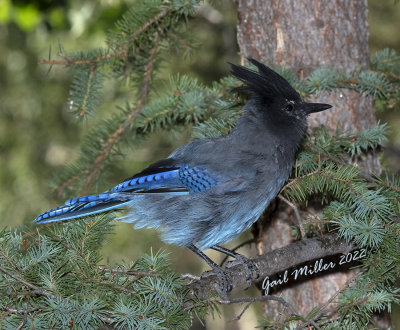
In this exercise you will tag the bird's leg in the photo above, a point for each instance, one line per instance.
(251, 267)
(225, 281)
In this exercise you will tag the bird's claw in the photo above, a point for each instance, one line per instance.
(224, 280)
(251, 268)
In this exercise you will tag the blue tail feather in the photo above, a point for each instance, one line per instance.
(167, 180)
(92, 198)
(83, 206)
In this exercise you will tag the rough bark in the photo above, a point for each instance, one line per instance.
(304, 35)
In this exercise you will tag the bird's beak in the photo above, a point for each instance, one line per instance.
(316, 107)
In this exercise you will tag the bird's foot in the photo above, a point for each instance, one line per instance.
(251, 268)
(225, 282)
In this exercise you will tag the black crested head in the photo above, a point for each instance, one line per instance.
(275, 100)
(273, 93)
(264, 85)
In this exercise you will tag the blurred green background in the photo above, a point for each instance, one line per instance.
(38, 136)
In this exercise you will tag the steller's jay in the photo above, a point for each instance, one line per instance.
(210, 190)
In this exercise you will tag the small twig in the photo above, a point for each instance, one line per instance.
(329, 320)
(190, 276)
(23, 322)
(148, 71)
(24, 293)
(295, 180)
(382, 183)
(127, 272)
(387, 74)
(70, 61)
(297, 215)
(60, 189)
(249, 301)
(21, 311)
(259, 298)
(180, 40)
(106, 319)
(160, 15)
(66, 56)
(315, 325)
(37, 289)
(237, 318)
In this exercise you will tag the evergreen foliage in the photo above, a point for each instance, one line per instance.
(53, 274)
(57, 279)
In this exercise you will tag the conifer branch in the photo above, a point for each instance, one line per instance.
(326, 156)
(124, 127)
(81, 112)
(298, 179)
(71, 62)
(156, 18)
(22, 324)
(37, 290)
(180, 40)
(386, 185)
(119, 53)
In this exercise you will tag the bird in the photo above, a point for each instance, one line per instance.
(209, 191)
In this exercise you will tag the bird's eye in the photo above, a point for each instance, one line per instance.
(289, 107)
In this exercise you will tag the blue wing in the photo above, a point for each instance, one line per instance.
(163, 177)
(177, 178)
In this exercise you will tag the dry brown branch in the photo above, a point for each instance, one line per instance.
(289, 256)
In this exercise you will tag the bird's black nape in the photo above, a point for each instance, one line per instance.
(264, 84)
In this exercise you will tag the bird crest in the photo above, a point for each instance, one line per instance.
(265, 84)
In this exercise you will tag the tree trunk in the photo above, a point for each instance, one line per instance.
(304, 35)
